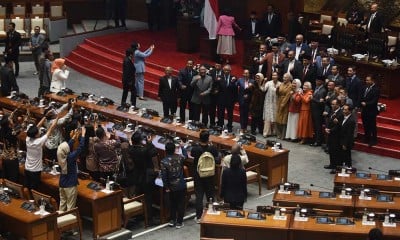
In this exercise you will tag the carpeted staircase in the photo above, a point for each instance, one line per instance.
(101, 58)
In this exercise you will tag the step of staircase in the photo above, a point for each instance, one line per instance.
(78, 28)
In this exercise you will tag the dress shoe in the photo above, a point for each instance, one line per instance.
(328, 167)
(315, 144)
(142, 98)
(253, 133)
(332, 172)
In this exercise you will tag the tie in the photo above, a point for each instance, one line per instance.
(227, 80)
(324, 72)
(370, 20)
(366, 91)
(269, 18)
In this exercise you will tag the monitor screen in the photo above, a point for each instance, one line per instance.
(325, 194)
(382, 177)
(362, 175)
(384, 198)
(343, 221)
(300, 193)
(322, 220)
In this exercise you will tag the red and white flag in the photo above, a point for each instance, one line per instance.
(211, 14)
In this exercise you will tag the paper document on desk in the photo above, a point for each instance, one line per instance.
(107, 191)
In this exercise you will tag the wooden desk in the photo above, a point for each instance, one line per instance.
(353, 181)
(376, 206)
(314, 201)
(273, 165)
(220, 226)
(312, 230)
(386, 77)
(104, 209)
(25, 224)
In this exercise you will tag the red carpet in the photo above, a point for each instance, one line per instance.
(101, 58)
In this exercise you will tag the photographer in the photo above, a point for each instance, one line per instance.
(67, 157)
(144, 155)
(56, 138)
(105, 153)
(236, 149)
(34, 153)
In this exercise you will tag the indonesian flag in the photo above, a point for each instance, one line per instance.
(211, 18)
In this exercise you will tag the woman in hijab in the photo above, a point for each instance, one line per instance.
(59, 75)
(294, 110)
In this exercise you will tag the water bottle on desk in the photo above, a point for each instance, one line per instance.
(108, 183)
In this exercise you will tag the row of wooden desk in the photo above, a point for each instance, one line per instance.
(273, 165)
(351, 180)
(25, 224)
(221, 226)
(105, 209)
(348, 205)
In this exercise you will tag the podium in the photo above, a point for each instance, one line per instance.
(188, 30)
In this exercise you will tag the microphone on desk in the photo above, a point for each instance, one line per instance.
(378, 170)
(313, 185)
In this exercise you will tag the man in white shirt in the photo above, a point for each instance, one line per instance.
(34, 153)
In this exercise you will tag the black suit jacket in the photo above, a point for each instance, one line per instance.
(166, 93)
(347, 132)
(371, 100)
(310, 75)
(185, 77)
(228, 93)
(8, 81)
(215, 86)
(272, 29)
(354, 90)
(377, 23)
(248, 28)
(320, 72)
(128, 71)
(12, 44)
(297, 70)
(334, 129)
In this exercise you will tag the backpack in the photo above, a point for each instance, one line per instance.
(206, 165)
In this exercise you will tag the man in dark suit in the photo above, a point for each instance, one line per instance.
(253, 26)
(369, 110)
(325, 69)
(309, 72)
(244, 84)
(260, 63)
(202, 85)
(300, 48)
(12, 44)
(375, 21)
(317, 108)
(353, 86)
(272, 23)
(168, 92)
(336, 77)
(346, 134)
(355, 15)
(8, 81)
(292, 66)
(128, 78)
(215, 74)
(228, 95)
(334, 121)
(185, 77)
